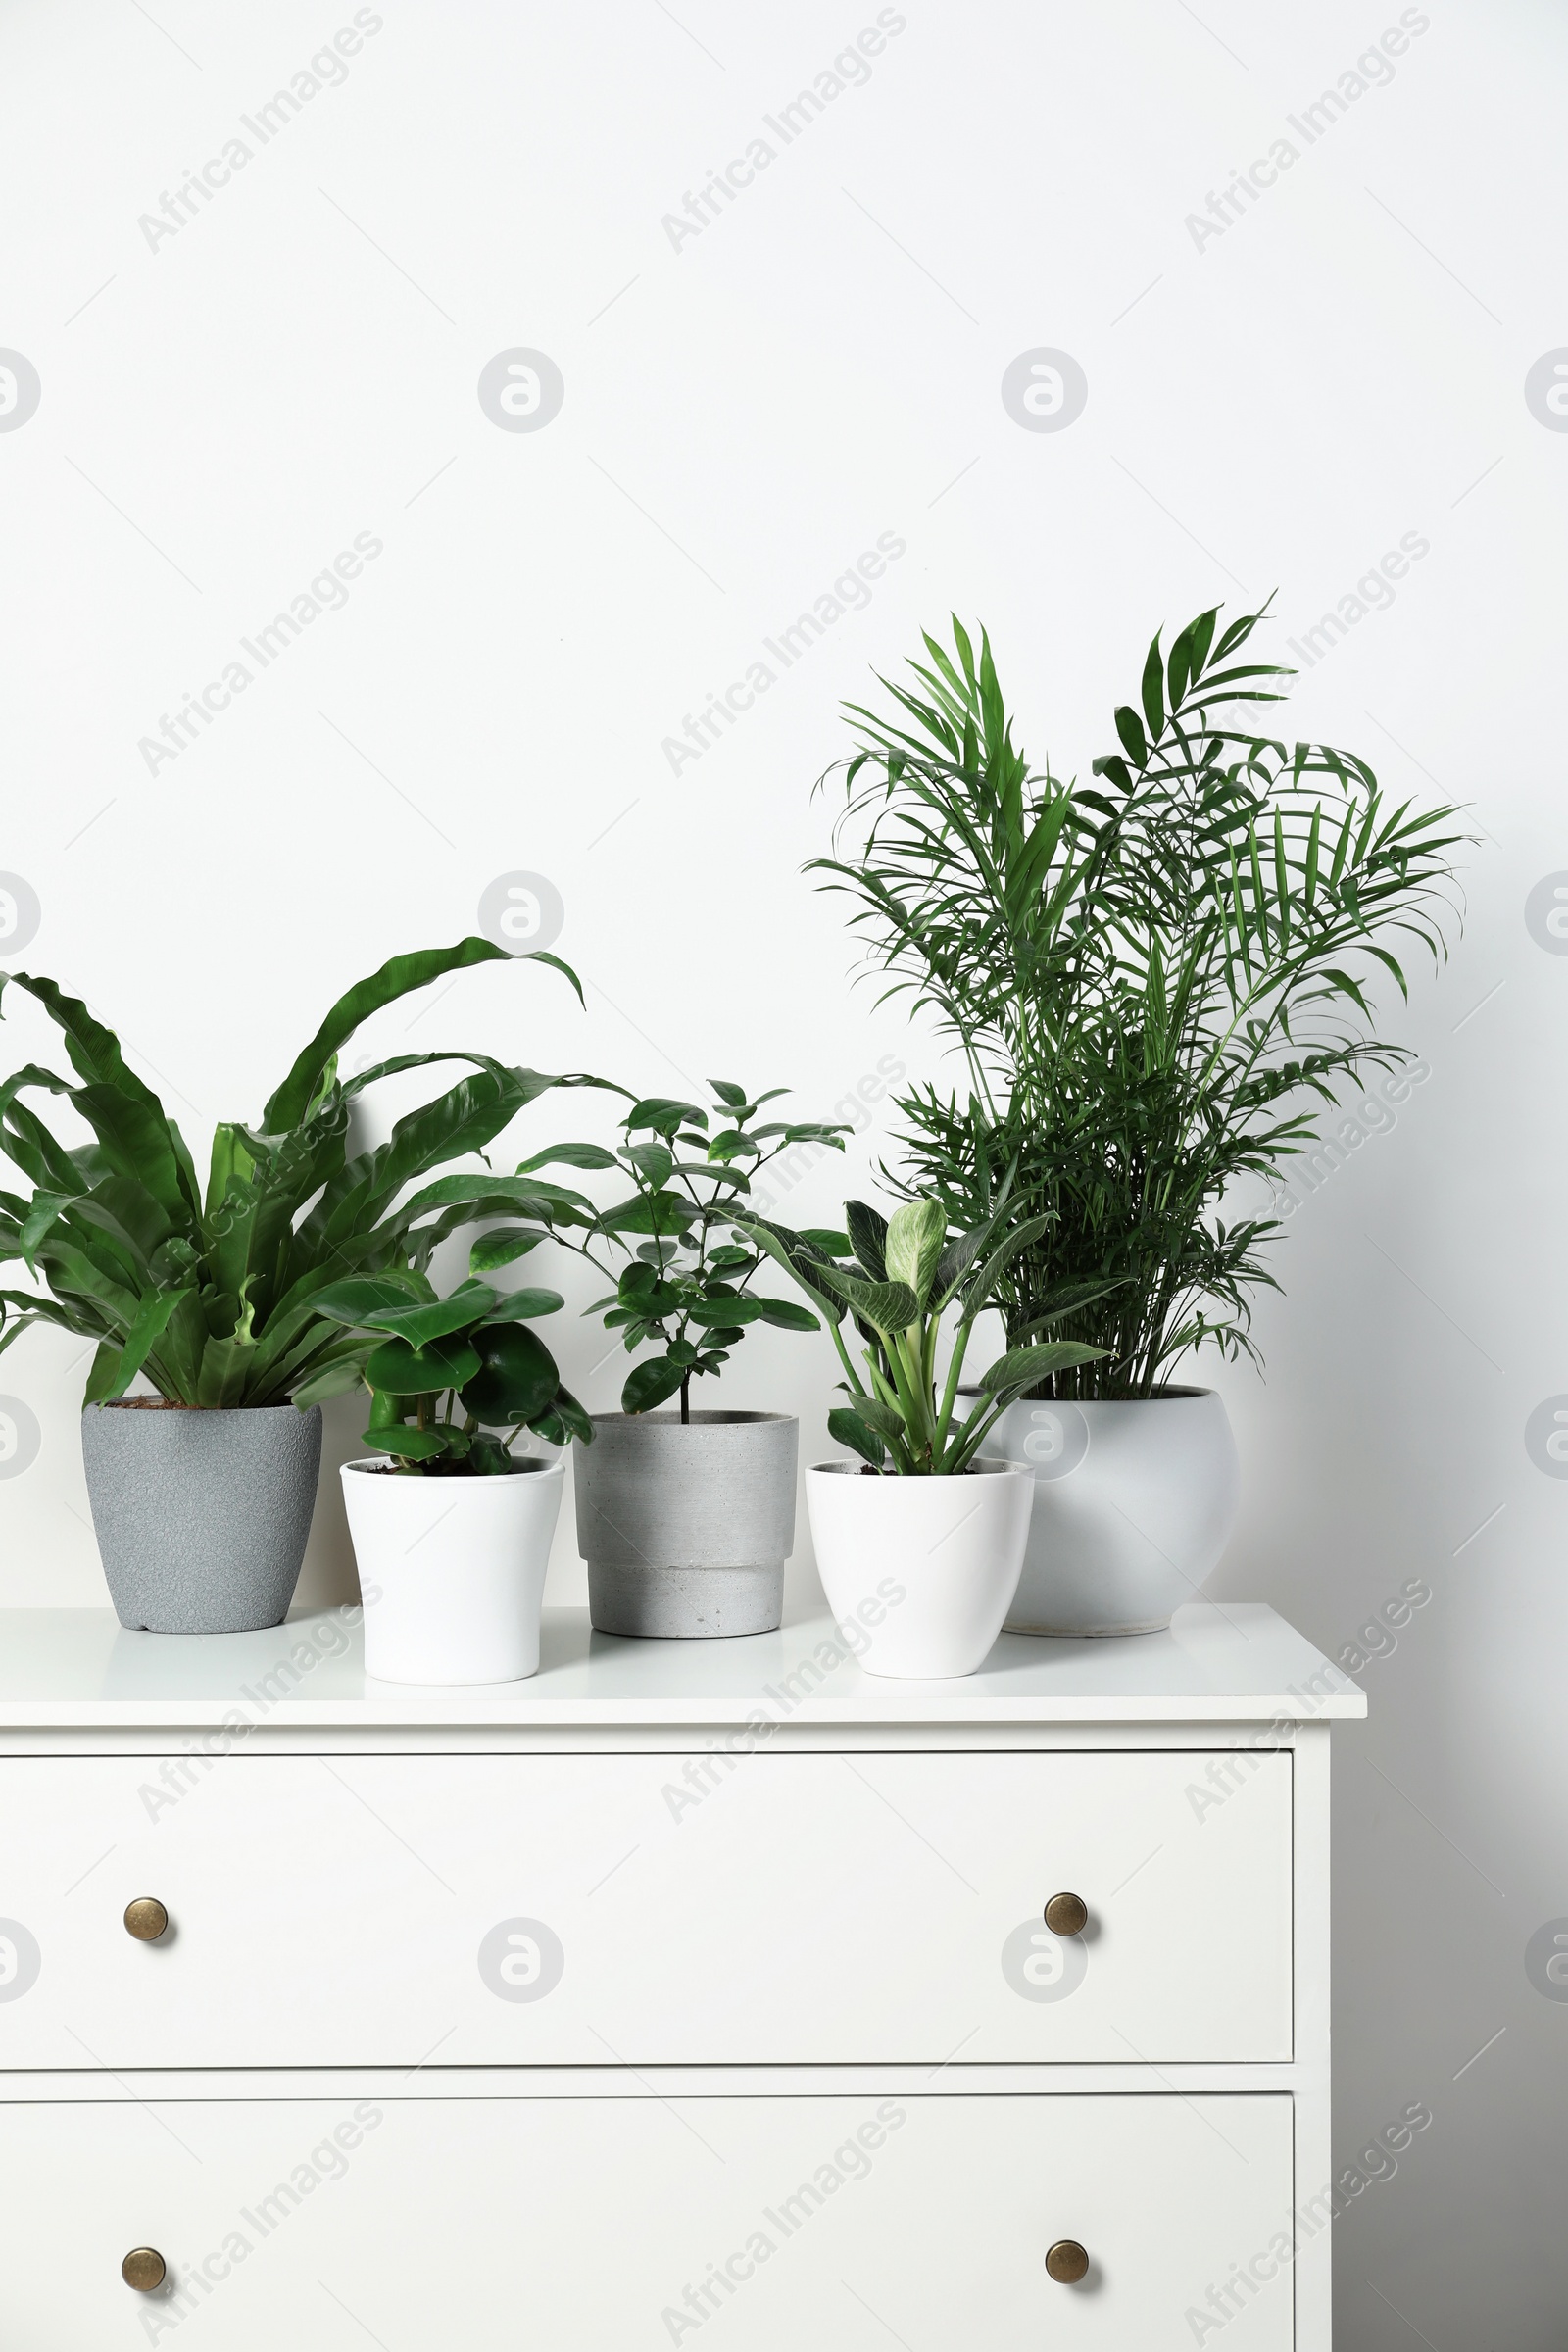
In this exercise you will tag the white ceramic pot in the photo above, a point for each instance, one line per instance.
(1134, 1501)
(926, 1567)
(452, 1571)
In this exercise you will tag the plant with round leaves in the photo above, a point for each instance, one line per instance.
(213, 1296)
(902, 1278)
(427, 1359)
(687, 1286)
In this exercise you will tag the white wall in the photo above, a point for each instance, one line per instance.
(226, 406)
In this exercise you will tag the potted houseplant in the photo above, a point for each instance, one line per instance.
(202, 1493)
(686, 1517)
(1156, 981)
(451, 1529)
(921, 1537)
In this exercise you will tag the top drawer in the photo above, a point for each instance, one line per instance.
(650, 1909)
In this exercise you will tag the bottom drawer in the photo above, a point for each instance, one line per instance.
(607, 2224)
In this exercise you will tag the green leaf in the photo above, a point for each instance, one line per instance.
(333, 1380)
(420, 1325)
(650, 1212)
(1132, 735)
(521, 1307)
(413, 1371)
(786, 1250)
(727, 1092)
(882, 1418)
(502, 1247)
(487, 1195)
(846, 1428)
(395, 978)
(573, 1419)
(913, 1246)
(740, 1309)
(651, 1160)
(868, 1234)
(650, 1384)
(103, 1374)
(489, 1458)
(542, 955)
(361, 1295)
(786, 1315)
(664, 1116)
(152, 1317)
(731, 1145)
(981, 1284)
(45, 1212)
(569, 1155)
(412, 1445)
(889, 1305)
(515, 1376)
(1024, 1367)
(1154, 695)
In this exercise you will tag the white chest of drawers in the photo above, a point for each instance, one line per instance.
(690, 1990)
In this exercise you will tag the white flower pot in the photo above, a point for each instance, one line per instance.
(926, 1567)
(1134, 1501)
(452, 1571)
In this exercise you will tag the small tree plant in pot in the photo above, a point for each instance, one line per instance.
(687, 1516)
(451, 1529)
(1157, 981)
(919, 1539)
(202, 1494)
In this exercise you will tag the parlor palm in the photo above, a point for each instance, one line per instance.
(1156, 980)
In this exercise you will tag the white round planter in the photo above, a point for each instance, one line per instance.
(1134, 1501)
(452, 1569)
(926, 1567)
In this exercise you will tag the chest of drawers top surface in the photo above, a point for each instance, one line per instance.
(1236, 1662)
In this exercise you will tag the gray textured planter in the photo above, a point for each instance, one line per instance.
(686, 1527)
(201, 1516)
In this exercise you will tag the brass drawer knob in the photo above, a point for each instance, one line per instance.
(1066, 2261)
(1066, 1914)
(146, 1920)
(143, 2269)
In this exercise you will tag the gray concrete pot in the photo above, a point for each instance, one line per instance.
(201, 1516)
(686, 1527)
